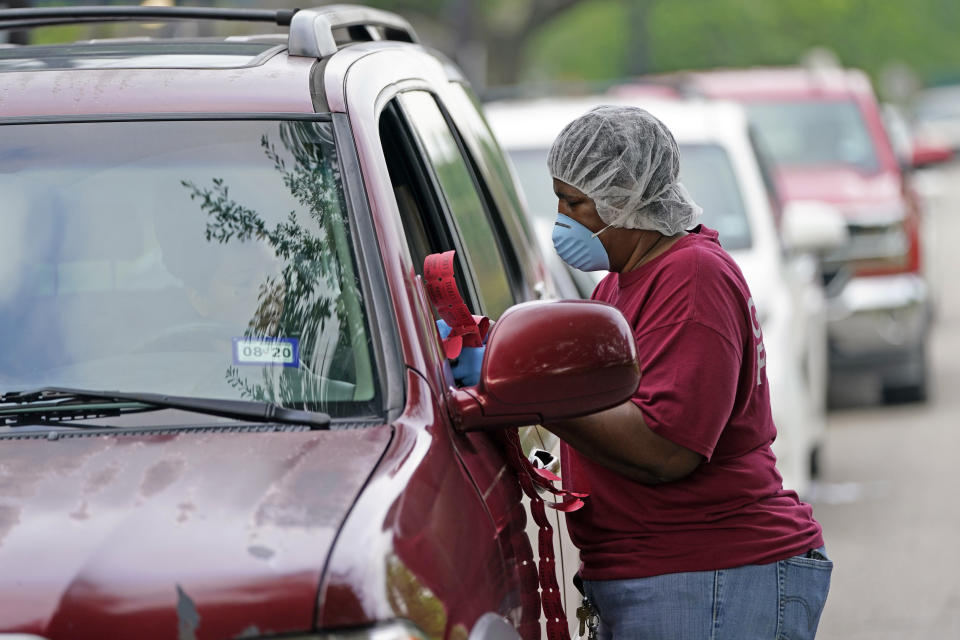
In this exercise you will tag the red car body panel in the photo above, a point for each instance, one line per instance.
(439, 550)
(109, 536)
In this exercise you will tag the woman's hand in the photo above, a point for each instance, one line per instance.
(466, 367)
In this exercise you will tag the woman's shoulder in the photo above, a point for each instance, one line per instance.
(691, 257)
(700, 256)
(708, 279)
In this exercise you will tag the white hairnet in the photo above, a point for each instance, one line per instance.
(626, 161)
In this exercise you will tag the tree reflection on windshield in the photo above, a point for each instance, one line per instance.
(315, 298)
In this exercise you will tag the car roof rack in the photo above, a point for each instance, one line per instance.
(311, 30)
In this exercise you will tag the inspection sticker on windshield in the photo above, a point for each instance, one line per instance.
(267, 351)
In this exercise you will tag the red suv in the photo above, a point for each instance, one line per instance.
(226, 410)
(825, 132)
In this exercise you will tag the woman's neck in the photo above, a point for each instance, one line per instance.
(646, 251)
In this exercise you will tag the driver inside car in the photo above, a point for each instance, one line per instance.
(232, 288)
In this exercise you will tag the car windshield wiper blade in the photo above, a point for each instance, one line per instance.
(55, 404)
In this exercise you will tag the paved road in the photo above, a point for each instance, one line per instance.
(889, 499)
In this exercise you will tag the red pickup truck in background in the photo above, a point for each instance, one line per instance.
(824, 129)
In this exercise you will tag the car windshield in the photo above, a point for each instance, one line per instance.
(707, 173)
(705, 170)
(815, 133)
(195, 258)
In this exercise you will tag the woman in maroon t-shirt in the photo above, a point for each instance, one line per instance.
(688, 532)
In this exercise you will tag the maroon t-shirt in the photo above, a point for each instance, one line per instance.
(703, 386)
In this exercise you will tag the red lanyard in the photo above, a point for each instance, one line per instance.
(530, 478)
(470, 331)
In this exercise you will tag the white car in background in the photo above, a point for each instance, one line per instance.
(936, 115)
(724, 171)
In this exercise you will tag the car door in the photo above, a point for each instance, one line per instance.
(497, 177)
(462, 213)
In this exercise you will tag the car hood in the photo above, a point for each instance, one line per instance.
(837, 185)
(191, 534)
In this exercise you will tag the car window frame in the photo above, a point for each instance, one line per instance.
(435, 214)
(386, 352)
(490, 212)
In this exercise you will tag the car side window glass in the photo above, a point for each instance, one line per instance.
(464, 201)
(500, 177)
(426, 227)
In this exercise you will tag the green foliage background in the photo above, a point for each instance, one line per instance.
(592, 41)
(544, 42)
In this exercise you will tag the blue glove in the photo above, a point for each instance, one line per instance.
(466, 368)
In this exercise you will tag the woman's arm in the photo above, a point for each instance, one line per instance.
(620, 440)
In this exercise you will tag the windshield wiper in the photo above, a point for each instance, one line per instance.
(53, 405)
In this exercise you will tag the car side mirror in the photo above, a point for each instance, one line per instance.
(548, 361)
(810, 226)
(927, 154)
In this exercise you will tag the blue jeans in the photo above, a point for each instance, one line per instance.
(778, 601)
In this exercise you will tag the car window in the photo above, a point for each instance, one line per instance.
(498, 176)
(192, 258)
(707, 173)
(465, 202)
(426, 225)
(815, 133)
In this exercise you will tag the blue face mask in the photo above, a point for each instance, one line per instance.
(578, 246)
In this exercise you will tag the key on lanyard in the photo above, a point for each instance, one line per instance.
(589, 621)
